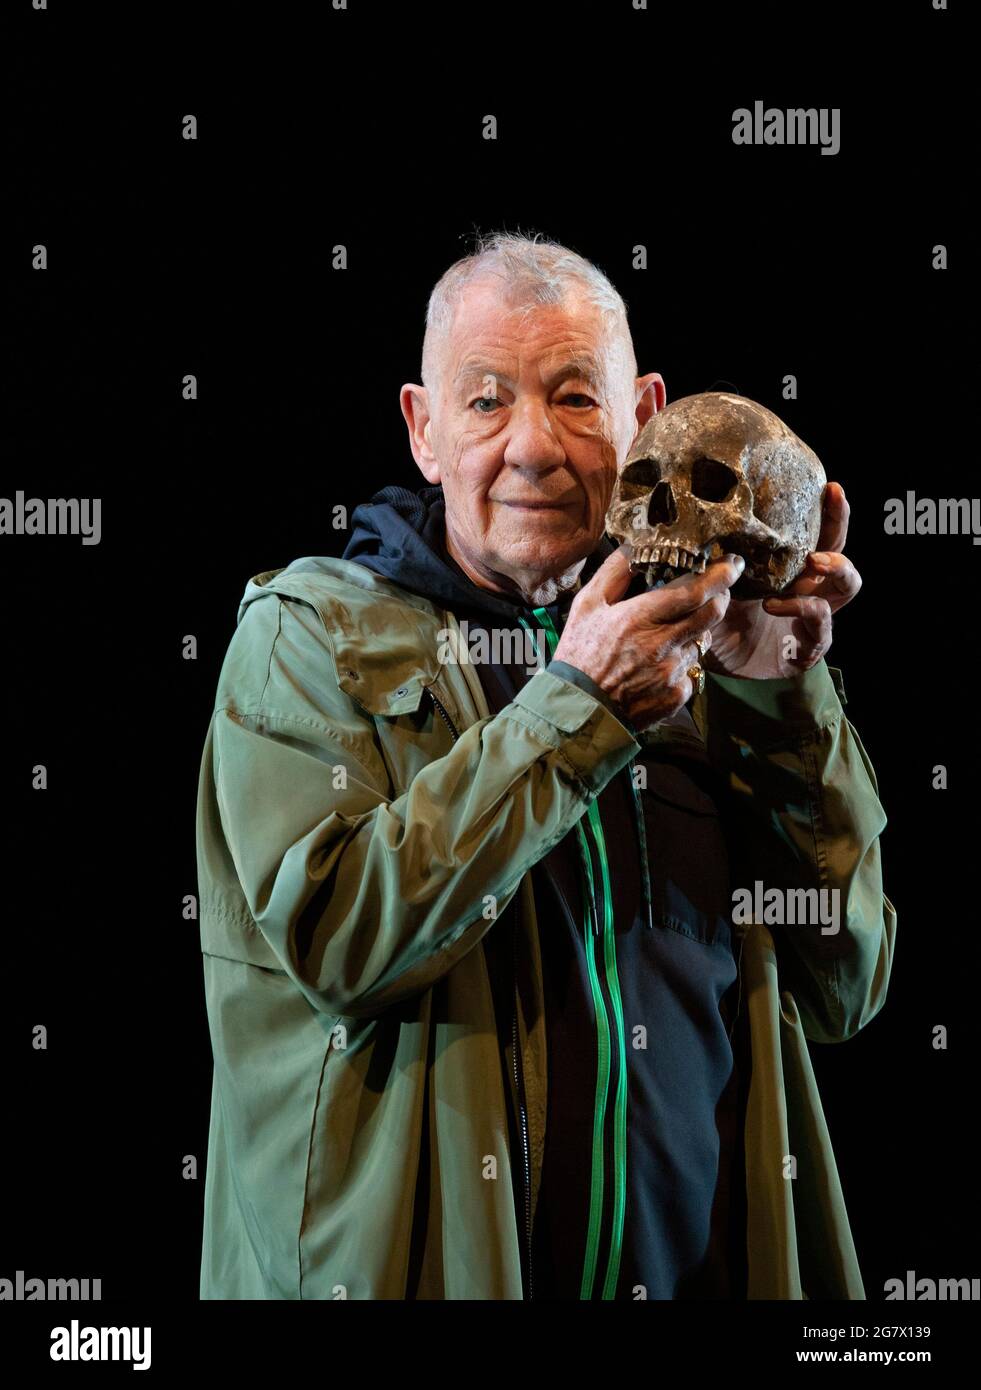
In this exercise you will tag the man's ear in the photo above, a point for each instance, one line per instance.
(414, 401)
(651, 396)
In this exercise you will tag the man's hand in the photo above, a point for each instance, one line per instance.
(750, 641)
(638, 650)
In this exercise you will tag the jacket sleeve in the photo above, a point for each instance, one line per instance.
(806, 814)
(367, 894)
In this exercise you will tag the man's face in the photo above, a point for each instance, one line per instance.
(534, 409)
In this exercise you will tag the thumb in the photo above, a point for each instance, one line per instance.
(612, 579)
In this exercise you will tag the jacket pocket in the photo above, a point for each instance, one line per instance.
(229, 931)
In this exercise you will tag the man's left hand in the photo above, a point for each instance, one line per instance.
(751, 640)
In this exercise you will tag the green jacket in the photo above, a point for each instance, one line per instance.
(346, 846)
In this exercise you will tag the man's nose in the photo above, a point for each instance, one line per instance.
(532, 441)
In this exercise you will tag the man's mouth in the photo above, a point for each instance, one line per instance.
(536, 506)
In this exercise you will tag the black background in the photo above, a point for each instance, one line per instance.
(213, 257)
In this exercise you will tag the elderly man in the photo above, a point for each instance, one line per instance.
(483, 1023)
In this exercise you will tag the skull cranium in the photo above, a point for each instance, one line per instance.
(715, 473)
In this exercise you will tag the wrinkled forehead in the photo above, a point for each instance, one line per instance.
(494, 322)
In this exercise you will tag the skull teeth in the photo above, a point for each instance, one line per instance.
(668, 556)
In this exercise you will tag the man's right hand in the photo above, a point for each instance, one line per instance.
(638, 651)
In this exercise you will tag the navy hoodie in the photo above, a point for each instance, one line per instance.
(680, 1207)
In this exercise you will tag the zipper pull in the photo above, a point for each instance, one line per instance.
(594, 915)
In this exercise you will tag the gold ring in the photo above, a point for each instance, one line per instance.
(702, 643)
(697, 677)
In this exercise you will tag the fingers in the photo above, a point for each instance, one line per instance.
(698, 623)
(612, 579)
(693, 657)
(828, 575)
(676, 686)
(690, 653)
(686, 596)
(840, 575)
(701, 645)
(835, 512)
(812, 627)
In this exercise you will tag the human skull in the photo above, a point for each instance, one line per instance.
(715, 473)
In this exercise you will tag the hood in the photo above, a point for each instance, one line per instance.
(400, 535)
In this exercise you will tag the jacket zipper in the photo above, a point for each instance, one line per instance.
(516, 1061)
(446, 718)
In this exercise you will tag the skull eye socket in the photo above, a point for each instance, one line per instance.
(643, 473)
(711, 480)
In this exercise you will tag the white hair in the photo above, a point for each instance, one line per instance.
(533, 271)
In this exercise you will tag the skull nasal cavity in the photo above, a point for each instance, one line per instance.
(711, 480)
(661, 511)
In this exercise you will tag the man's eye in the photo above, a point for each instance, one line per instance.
(577, 399)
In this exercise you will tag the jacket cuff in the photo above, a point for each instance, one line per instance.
(564, 715)
(774, 710)
(584, 682)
